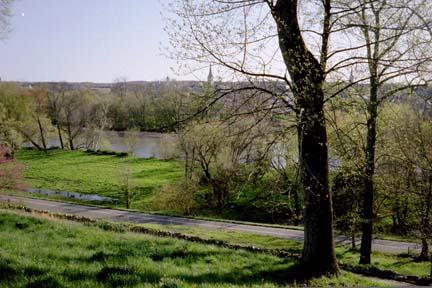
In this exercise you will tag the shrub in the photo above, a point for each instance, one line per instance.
(179, 197)
(10, 171)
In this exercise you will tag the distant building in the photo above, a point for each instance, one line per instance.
(210, 78)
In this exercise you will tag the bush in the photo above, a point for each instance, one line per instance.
(10, 171)
(179, 197)
(111, 226)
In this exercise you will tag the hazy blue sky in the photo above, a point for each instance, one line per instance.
(85, 40)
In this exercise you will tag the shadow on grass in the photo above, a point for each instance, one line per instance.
(123, 275)
(120, 276)
(46, 282)
(293, 275)
(157, 255)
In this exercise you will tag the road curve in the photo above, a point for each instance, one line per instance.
(143, 218)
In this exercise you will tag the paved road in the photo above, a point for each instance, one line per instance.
(142, 218)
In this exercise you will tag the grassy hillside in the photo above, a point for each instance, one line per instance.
(77, 171)
(41, 253)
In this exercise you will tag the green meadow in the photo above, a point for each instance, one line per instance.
(40, 253)
(78, 171)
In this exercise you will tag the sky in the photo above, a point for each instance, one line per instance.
(85, 40)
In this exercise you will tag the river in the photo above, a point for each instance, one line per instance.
(143, 144)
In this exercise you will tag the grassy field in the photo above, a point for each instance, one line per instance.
(39, 253)
(402, 264)
(77, 171)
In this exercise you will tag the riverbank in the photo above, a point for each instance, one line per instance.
(142, 144)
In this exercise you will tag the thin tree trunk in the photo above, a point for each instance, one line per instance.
(42, 134)
(30, 140)
(425, 223)
(424, 254)
(70, 137)
(60, 136)
(33, 143)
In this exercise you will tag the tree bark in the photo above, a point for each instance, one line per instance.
(424, 254)
(70, 137)
(60, 136)
(307, 80)
(368, 193)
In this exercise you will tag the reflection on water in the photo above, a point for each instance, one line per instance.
(71, 195)
(148, 144)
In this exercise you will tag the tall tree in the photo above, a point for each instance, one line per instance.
(56, 101)
(74, 115)
(390, 53)
(248, 39)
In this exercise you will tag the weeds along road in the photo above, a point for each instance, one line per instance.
(143, 218)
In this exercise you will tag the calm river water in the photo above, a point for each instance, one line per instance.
(147, 144)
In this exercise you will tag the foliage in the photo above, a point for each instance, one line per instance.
(14, 115)
(346, 191)
(222, 155)
(5, 14)
(179, 198)
(411, 174)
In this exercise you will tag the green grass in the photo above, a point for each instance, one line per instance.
(77, 171)
(40, 253)
(402, 264)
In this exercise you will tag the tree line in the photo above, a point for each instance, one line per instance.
(77, 116)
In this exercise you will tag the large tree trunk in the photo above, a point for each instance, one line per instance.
(318, 251)
(307, 80)
(368, 192)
